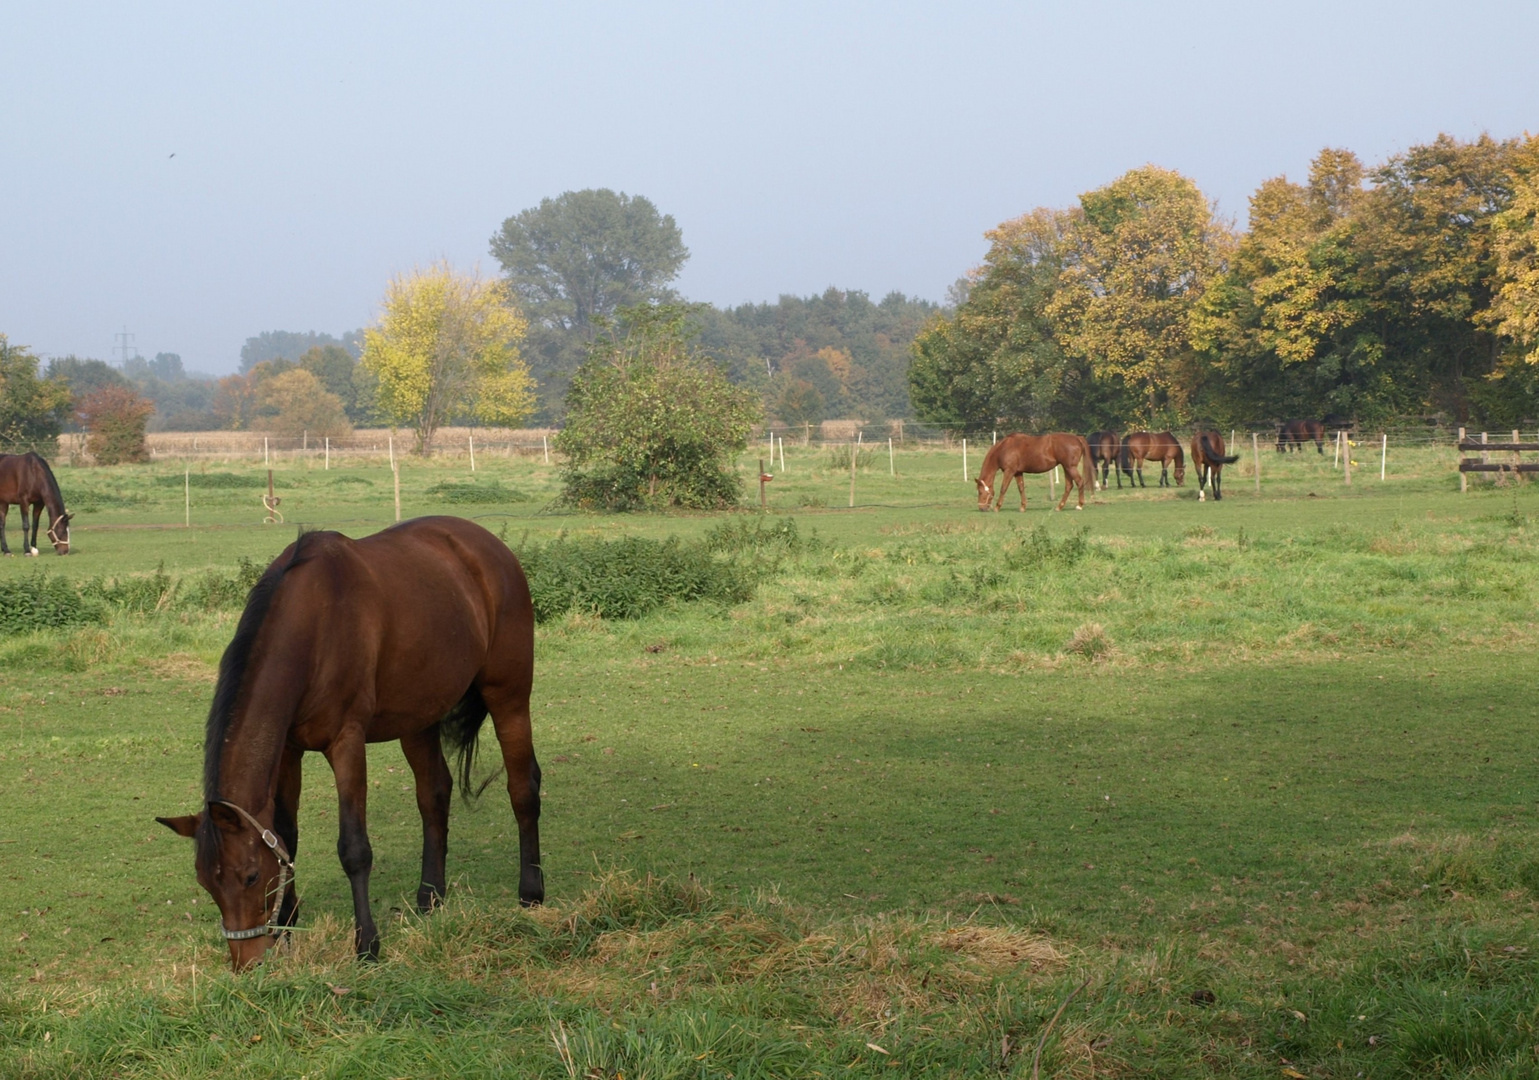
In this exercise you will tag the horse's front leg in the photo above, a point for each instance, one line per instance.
(30, 535)
(286, 824)
(350, 765)
(5, 512)
(425, 754)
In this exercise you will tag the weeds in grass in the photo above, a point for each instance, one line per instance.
(450, 491)
(627, 578)
(46, 602)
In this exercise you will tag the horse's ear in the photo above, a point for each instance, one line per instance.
(186, 825)
(224, 817)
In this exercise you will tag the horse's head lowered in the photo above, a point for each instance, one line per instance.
(985, 493)
(58, 532)
(1180, 470)
(246, 869)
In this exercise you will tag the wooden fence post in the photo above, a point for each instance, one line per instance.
(545, 442)
(1463, 476)
(852, 475)
(472, 438)
(187, 494)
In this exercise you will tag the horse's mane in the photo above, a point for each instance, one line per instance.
(232, 666)
(50, 485)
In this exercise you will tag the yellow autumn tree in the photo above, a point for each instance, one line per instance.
(446, 346)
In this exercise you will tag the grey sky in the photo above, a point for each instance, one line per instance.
(320, 148)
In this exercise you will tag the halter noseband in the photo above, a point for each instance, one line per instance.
(53, 536)
(285, 876)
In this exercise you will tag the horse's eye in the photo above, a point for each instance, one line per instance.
(251, 879)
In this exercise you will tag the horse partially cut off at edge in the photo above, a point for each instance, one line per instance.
(414, 634)
(1142, 446)
(27, 481)
(1208, 457)
(1018, 454)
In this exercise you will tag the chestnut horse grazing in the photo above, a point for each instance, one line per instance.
(1103, 455)
(1017, 454)
(1142, 446)
(414, 633)
(1295, 433)
(26, 480)
(1208, 456)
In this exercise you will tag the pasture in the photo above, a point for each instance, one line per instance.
(1254, 782)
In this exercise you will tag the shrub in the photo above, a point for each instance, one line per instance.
(43, 602)
(627, 578)
(115, 416)
(651, 423)
(755, 534)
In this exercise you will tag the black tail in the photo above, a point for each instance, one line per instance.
(1213, 455)
(460, 730)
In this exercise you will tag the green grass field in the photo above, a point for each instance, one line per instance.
(1260, 776)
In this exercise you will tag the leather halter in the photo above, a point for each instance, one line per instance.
(285, 876)
(53, 536)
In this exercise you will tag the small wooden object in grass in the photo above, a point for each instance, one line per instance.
(269, 502)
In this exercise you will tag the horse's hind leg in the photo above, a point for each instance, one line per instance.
(510, 714)
(5, 512)
(1020, 482)
(425, 754)
(30, 535)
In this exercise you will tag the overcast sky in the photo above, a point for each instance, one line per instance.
(197, 173)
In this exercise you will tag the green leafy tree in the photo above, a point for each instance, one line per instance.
(335, 367)
(651, 421)
(577, 259)
(1142, 251)
(996, 358)
(799, 403)
(32, 409)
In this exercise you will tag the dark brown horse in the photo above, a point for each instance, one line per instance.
(26, 480)
(1208, 456)
(414, 633)
(1104, 446)
(1017, 454)
(1142, 446)
(1295, 433)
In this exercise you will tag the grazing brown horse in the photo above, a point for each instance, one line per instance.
(1142, 446)
(26, 479)
(414, 633)
(1208, 456)
(1017, 454)
(1103, 455)
(1295, 433)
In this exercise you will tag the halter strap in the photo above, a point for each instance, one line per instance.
(285, 876)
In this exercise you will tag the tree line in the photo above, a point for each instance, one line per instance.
(1410, 288)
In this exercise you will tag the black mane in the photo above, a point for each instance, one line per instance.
(51, 488)
(232, 666)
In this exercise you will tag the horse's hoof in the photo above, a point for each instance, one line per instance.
(32, 552)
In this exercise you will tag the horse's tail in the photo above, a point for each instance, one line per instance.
(459, 731)
(1213, 455)
(1086, 462)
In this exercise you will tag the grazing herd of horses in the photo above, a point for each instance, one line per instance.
(1102, 454)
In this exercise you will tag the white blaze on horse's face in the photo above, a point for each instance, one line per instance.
(985, 494)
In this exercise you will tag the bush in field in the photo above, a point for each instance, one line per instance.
(43, 602)
(451, 491)
(651, 423)
(115, 416)
(627, 578)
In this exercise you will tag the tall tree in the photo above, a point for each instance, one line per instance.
(32, 409)
(996, 358)
(1143, 249)
(578, 258)
(447, 345)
